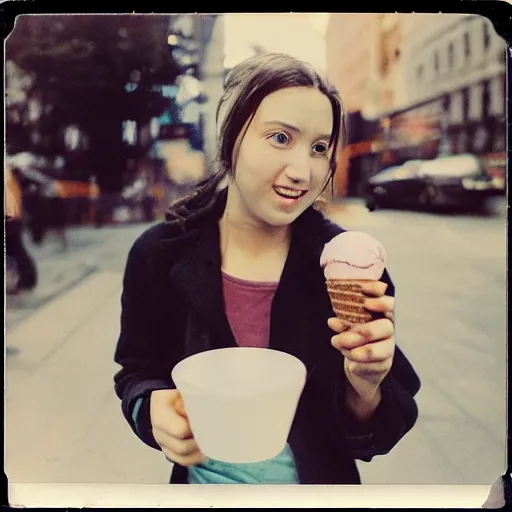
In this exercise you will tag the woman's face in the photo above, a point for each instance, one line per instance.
(283, 160)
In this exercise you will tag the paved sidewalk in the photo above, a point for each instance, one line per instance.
(63, 420)
(89, 249)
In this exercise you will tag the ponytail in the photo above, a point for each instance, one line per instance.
(199, 202)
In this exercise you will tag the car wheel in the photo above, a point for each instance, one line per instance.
(428, 197)
(371, 203)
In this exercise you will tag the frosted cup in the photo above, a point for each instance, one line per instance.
(240, 401)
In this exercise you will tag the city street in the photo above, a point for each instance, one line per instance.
(64, 423)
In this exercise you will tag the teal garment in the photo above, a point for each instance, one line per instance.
(279, 470)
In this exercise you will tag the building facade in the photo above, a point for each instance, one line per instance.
(350, 49)
(352, 56)
(418, 86)
(461, 61)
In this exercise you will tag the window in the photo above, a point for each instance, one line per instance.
(475, 102)
(486, 35)
(497, 97)
(436, 63)
(451, 56)
(467, 48)
(419, 73)
(457, 108)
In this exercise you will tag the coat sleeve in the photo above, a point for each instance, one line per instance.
(395, 415)
(143, 357)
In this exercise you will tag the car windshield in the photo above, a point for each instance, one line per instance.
(459, 165)
(396, 172)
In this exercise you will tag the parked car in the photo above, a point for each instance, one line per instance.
(447, 181)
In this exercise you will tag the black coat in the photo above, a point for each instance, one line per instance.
(172, 307)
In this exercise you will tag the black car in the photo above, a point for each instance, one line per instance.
(447, 181)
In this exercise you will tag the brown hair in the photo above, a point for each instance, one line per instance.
(245, 87)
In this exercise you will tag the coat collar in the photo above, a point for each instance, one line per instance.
(196, 267)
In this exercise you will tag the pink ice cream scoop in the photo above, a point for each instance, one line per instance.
(353, 255)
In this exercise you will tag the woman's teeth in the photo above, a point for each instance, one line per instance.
(286, 192)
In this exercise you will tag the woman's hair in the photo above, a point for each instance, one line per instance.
(245, 87)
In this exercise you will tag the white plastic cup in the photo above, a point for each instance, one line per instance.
(240, 401)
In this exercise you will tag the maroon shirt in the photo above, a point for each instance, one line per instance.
(247, 305)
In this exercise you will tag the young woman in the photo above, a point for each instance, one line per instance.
(237, 264)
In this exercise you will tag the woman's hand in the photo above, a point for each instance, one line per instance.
(368, 349)
(172, 430)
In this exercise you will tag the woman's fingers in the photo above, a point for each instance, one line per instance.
(383, 304)
(375, 288)
(362, 334)
(336, 324)
(171, 431)
(375, 330)
(369, 371)
(164, 416)
(178, 446)
(371, 352)
(184, 460)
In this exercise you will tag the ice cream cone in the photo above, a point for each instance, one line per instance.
(347, 299)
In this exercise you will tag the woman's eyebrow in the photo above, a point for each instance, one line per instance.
(295, 129)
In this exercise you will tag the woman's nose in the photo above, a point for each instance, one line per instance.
(298, 170)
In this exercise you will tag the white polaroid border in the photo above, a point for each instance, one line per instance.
(70, 495)
(247, 496)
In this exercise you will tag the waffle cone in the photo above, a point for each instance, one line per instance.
(347, 299)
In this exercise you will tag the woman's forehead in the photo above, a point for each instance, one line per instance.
(305, 108)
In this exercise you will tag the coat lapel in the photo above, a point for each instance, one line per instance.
(196, 274)
(299, 314)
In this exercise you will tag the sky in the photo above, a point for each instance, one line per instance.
(299, 34)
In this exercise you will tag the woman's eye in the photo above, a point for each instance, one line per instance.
(320, 148)
(280, 138)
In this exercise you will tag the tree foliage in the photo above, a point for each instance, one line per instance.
(81, 65)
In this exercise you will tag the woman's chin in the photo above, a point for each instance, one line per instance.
(281, 219)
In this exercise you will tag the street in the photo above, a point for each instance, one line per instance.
(64, 422)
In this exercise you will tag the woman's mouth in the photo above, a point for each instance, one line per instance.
(289, 193)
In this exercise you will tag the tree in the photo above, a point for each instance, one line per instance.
(95, 71)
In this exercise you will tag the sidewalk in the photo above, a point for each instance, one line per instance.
(58, 271)
(89, 249)
(63, 420)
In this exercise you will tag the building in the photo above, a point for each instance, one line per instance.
(417, 86)
(349, 49)
(390, 66)
(352, 51)
(461, 59)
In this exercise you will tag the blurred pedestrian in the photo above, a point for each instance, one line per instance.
(53, 210)
(237, 264)
(35, 207)
(20, 266)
